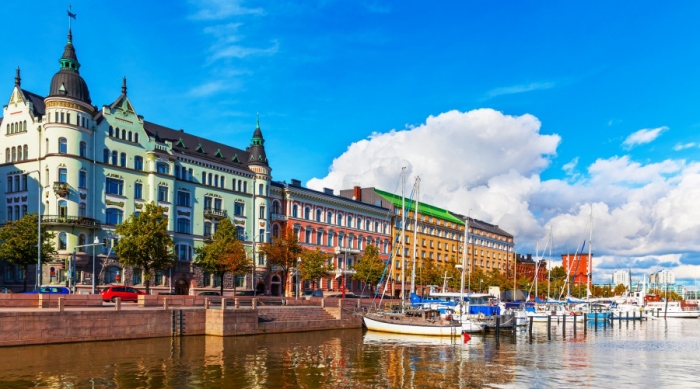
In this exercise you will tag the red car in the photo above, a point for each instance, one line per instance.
(125, 293)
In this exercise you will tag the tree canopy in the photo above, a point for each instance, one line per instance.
(224, 254)
(314, 264)
(282, 252)
(369, 268)
(144, 242)
(18, 243)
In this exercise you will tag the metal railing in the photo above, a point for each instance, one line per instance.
(277, 216)
(215, 213)
(71, 220)
(61, 188)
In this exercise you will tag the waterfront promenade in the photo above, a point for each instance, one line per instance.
(44, 319)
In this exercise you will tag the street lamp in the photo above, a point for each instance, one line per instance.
(296, 297)
(72, 278)
(252, 277)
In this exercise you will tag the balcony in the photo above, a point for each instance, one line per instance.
(61, 188)
(213, 213)
(278, 216)
(80, 221)
(183, 267)
(343, 272)
(208, 238)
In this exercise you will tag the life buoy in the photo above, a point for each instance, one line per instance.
(572, 313)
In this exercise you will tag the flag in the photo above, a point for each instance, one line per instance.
(467, 338)
(71, 15)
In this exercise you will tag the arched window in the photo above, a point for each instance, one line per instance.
(111, 131)
(114, 216)
(62, 209)
(7, 155)
(239, 185)
(115, 156)
(339, 219)
(295, 210)
(62, 241)
(83, 149)
(138, 162)
(136, 138)
(307, 213)
(204, 178)
(318, 215)
(367, 224)
(209, 180)
(14, 154)
(81, 242)
(260, 189)
(129, 136)
(9, 213)
(124, 134)
(116, 133)
(62, 145)
(222, 182)
(275, 231)
(190, 176)
(245, 187)
(183, 225)
(349, 221)
(216, 180)
(122, 160)
(25, 126)
(105, 156)
(359, 223)
(82, 210)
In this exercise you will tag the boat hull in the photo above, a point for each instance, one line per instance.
(414, 328)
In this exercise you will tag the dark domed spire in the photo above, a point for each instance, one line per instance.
(257, 147)
(18, 79)
(68, 82)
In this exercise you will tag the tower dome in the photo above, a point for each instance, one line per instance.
(67, 82)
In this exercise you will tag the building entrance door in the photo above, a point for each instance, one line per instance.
(182, 287)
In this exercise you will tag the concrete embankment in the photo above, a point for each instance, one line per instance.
(45, 319)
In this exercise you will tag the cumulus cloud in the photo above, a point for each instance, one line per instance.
(644, 216)
(222, 9)
(643, 136)
(522, 88)
(684, 146)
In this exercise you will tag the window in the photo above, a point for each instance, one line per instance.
(111, 131)
(207, 202)
(162, 193)
(138, 163)
(26, 152)
(184, 252)
(330, 239)
(122, 160)
(240, 233)
(159, 278)
(307, 213)
(62, 241)
(319, 237)
(318, 215)
(115, 155)
(216, 180)
(295, 210)
(329, 217)
(238, 208)
(217, 204)
(339, 219)
(262, 212)
(245, 187)
(183, 225)
(207, 229)
(260, 189)
(137, 277)
(82, 210)
(62, 145)
(83, 149)
(114, 216)
(138, 190)
(105, 156)
(123, 134)
(163, 167)
(183, 198)
(307, 237)
(81, 242)
(115, 186)
(129, 136)
(349, 221)
(62, 175)
(9, 213)
(82, 179)
(206, 279)
(24, 210)
(136, 138)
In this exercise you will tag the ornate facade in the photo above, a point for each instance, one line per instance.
(87, 169)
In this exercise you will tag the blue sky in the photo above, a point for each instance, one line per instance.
(525, 113)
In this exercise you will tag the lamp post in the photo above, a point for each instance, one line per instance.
(296, 297)
(252, 278)
(72, 278)
(38, 226)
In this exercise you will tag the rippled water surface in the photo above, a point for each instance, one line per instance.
(656, 353)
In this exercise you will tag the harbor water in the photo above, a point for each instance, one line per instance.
(655, 353)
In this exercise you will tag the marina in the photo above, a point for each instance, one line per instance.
(654, 353)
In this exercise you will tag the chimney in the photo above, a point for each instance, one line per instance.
(357, 193)
(328, 191)
(295, 183)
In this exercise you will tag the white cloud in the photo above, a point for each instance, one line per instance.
(490, 163)
(208, 89)
(684, 146)
(522, 88)
(569, 167)
(643, 136)
(238, 51)
(222, 9)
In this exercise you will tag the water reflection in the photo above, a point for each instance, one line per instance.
(659, 353)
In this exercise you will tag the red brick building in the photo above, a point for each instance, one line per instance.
(576, 265)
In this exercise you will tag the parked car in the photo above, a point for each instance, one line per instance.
(5, 290)
(125, 293)
(50, 289)
(348, 295)
(245, 293)
(312, 293)
(209, 293)
(167, 293)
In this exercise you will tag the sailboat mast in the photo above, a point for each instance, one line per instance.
(549, 265)
(537, 255)
(403, 239)
(415, 234)
(590, 253)
(464, 267)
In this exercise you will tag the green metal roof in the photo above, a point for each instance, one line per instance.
(425, 209)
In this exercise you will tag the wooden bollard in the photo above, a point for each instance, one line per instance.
(563, 325)
(549, 327)
(574, 324)
(166, 303)
(340, 303)
(118, 304)
(61, 303)
(255, 303)
(236, 303)
(531, 320)
(223, 304)
(498, 326)
(206, 303)
(585, 323)
(605, 321)
(323, 303)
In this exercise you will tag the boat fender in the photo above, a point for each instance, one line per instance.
(481, 316)
(572, 313)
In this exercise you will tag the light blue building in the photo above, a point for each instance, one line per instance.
(90, 168)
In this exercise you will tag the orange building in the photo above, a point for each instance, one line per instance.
(576, 265)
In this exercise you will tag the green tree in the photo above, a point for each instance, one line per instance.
(619, 290)
(314, 264)
(369, 268)
(144, 242)
(224, 254)
(18, 243)
(282, 252)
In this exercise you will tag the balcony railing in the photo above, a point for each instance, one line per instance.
(278, 216)
(71, 220)
(343, 272)
(208, 238)
(214, 213)
(184, 267)
(61, 188)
